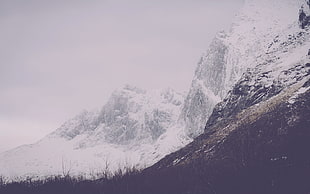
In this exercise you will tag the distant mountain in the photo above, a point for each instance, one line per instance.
(134, 128)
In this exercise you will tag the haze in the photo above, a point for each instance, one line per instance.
(62, 56)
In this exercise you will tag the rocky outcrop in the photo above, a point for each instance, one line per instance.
(285, 64)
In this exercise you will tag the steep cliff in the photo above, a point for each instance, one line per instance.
(231, 53)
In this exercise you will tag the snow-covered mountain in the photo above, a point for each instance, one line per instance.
(134, 128)
(231, 53)
(256, 140)
(278, 74)
(130, 116)
(264, 52)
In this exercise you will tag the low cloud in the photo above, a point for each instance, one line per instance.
(59, 57)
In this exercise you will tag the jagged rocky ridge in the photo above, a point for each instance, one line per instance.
(232, 53)
(131, 115)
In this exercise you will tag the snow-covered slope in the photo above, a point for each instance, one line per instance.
(134, 128)
(232, 53)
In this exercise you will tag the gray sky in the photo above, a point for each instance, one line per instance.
(58, 57)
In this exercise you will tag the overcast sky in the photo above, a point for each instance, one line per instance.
(58, 57)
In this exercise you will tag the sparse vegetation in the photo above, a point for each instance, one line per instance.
(66, 184)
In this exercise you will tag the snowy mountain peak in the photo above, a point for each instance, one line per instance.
(129, 115)
(231, 53)
(83, 123)
(130, 88)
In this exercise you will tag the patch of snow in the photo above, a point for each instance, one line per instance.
(300, 91)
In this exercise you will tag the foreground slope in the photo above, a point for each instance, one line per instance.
(262, 149)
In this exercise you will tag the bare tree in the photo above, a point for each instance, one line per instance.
(66, 169)
(106, 171)
(2, 182)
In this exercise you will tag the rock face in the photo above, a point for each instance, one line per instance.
(131, 115)
(231, 54)
(304, 15)
(286, 64)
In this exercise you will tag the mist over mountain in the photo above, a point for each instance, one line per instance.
(134, 128)
(243, 127)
